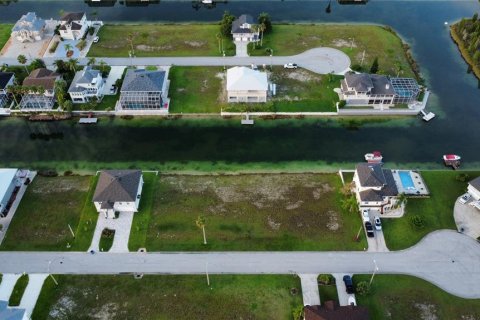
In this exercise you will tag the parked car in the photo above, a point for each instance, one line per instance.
(464, 198)
(96, 39)
(348, 284)
(290, 66)
(365, 215)
(369, 228)
(378, 223)
(352, 301)
(254, 67)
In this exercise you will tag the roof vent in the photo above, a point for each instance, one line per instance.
(387, 86)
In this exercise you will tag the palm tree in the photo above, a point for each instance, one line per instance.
(72, 64)
(401, 200)
(130, 38)
(91, 61)
(350, 204)
(68, 47)
(200, 222)
(219, 39)
(13, 91)
(262, 27)
(60, 65)
(102, 65)
(23, 60)
(59, 90)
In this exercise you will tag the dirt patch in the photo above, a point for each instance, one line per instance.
(63, 308)
(332, 224)
(106, 312)
(195, 44)
(272, 224)
(343, 43)
(58, 185)
(427, 311)
(295, 205)
(325, 188)
(301, 75)
(143, 47)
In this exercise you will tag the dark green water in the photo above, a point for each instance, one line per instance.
(456, 100)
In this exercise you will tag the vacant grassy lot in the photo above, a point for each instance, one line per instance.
(436, 211)
(251, 212)
(374, 40)
(5, 31)
(153, 40)
(406, 297)
(47, 208)
(169, 297)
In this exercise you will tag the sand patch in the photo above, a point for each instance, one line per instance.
(427, 311)
(272, 224)
(343, 43)
(195, 44)
(143, 47)
(332, 224)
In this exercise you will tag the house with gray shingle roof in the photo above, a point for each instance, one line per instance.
(29, 28)
(87, 84)
(73, 25)
(144, 90)
(474, 188)
(243, 29)
(117, 191)
(375, 186)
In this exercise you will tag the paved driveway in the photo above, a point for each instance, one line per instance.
(311, 296)
(467, 218)
(241, 49)
(121, 225)
(115, 74)
(342, 289)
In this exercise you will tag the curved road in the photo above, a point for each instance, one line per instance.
(446, 258)
(319, 60)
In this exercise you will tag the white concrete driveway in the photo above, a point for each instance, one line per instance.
(467, 219)
(115, 74)
(377, 243)
(311, 296)
(121, 225)
(31, 293)
(241, 49)
(342, 289)
(8, 283)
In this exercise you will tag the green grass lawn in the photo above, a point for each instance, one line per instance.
(406, 297)
(328, 291)
(106, 242)
(250, 212)
(47, 208)
(374, 40)
(436, 211)
(18, 291)
(153, 40)
(5, 31)
(169, 297)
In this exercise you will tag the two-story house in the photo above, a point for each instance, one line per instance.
(42, 95)
(87, 84)
(29, 28)
(374, 186)
(243, 31)
(73, 25)
(246, 85)
(6, 79)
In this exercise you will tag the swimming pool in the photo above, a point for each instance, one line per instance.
(406, 179)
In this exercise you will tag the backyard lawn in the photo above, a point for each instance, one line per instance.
(436, 211)
(47, 208)
(169, 297)
(376, 41)
(250, 212)
(5, 31)
(406, 297)
(153, 40)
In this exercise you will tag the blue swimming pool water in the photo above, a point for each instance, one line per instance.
(406, 179)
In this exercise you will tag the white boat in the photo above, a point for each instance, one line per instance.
(374, 157)
(207, 1)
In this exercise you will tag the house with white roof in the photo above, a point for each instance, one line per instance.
(73, 25)
(87, 84)
(474, 188)
(8, 182)
(29, 28)
(246, 85)
(6, 79)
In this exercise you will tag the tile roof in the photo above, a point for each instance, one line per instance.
(29, 22)
(237, 24)
(5, 78)
(41, 77)
(330, 310)
(371, 175)
(117, 186)
(142, 80)
(243, 78)
(475, 183)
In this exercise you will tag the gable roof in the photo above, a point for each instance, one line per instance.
(475, 183)
(29, 22)
(72, 16)
(330, 310)
(41, 77)
(243, 78)
(237, 24)
(5, 78)
(143, 80)
(84, 77)
(361, 82)
(117, 186)
(371, 175)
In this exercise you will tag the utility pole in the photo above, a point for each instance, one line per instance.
(71, 231)
(206, 272)
(374, 271)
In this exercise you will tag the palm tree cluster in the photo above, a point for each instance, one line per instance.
(17, 91)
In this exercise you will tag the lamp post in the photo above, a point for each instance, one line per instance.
(48, 271)
(374, 271)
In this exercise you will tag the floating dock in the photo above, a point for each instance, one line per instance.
(88, 120)
(427, 116)
(247, 120)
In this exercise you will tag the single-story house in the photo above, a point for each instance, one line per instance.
(73, 25)
(6, 79)
(246, 85)
(375, 186)
(87, 84)
(8, 182)
(40, 99)
(243, 29)
(118, 190)
(377, 90)
(29, 28)
(144, 90)
(331, 310)
(474, 188)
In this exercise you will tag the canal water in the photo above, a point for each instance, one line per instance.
(421, 23)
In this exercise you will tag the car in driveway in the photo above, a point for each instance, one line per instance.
(369, 229)
(96, 39)
(365, 215)
(348, 284)
(290, 66)
(352, 301)
(464, 198)
(378, 223)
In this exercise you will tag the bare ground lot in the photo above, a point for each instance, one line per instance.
(251, 212)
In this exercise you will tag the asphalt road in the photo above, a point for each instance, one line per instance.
(319, 60)
(446, 258)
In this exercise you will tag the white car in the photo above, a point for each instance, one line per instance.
(365, 215)
(464, 198)
(351, 300)
(290, 66)
(378, 224)
(96, 39)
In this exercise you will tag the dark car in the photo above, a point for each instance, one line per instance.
(369, 228)
(349, 284)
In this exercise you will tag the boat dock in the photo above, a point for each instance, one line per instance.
(88, 120)
(247, 120)
(427, 116)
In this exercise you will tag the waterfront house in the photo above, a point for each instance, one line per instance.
(377, 90)
(73, 25)
(243, 29)
(331, 310)
(8, 182)
(474, 188)
(246, 85)
(117, 191)
(43, 97)
(375, 186)
(6, 79)
(29, 28)
(144, 90)
(87, 84)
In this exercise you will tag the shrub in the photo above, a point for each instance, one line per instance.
(325, 279)
(463, 177)
(54, 47)
(356, 67)
(417, 222)
(68, 173)
(81, 44)
(108, 233)
(48, 173)
(363, 288)
(342, 104)
(91, 31)
(297, 313)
